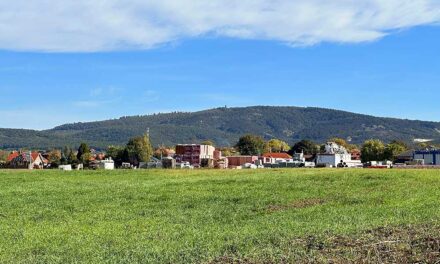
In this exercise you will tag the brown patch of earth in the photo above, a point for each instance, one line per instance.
(407, 244)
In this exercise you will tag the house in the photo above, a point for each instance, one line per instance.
(336, 156)
(430, 157)
(26, 160)
(284, 160)
(12, 156)
(301, 160)
(195, 154)
(274, 157)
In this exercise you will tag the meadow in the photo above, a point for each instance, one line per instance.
(213, 216)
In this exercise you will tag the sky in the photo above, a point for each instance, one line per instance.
(71, 61)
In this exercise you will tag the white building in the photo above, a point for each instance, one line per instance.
(332, 160)
(107, 164)
(65, 167)
(335, 156)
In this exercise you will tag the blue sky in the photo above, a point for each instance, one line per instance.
(395, 75)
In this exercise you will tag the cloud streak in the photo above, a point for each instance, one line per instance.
(88, 26)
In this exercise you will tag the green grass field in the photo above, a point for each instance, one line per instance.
(207, 216)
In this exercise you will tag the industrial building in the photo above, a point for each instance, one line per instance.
(430, 157)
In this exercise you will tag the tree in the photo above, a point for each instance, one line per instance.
(228, 151)
(250, 145)
(208, 142)
(423, 145)
(55, 158)
(343, 143)
(117, 154)
(163, 151)
(306, 146)
(66, 151)
(340, 141)
(83, 154)
(65, 154)
(72, 159)
(372, 150)
(3, 155)
(277, 146)
(138, 150)
(394, 148)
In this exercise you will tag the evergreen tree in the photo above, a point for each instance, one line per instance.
(83, 154)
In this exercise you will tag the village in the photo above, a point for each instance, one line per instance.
(336, 153)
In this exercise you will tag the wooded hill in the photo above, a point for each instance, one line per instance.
(224, 126)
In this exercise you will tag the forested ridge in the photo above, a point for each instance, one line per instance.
(224, 126)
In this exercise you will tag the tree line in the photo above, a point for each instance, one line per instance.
(139, 149)
(371, 150)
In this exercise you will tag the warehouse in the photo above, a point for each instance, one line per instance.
(430, 157)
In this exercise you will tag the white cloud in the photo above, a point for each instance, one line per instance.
(100, 25)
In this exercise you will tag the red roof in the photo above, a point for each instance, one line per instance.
(15, 154)
(35, 155)
(12, 156)
(277, 155)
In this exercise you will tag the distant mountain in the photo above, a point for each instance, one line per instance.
(225, 126)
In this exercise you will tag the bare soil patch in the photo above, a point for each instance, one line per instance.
(408, 244)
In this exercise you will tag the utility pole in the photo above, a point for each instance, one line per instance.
(30, 160)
